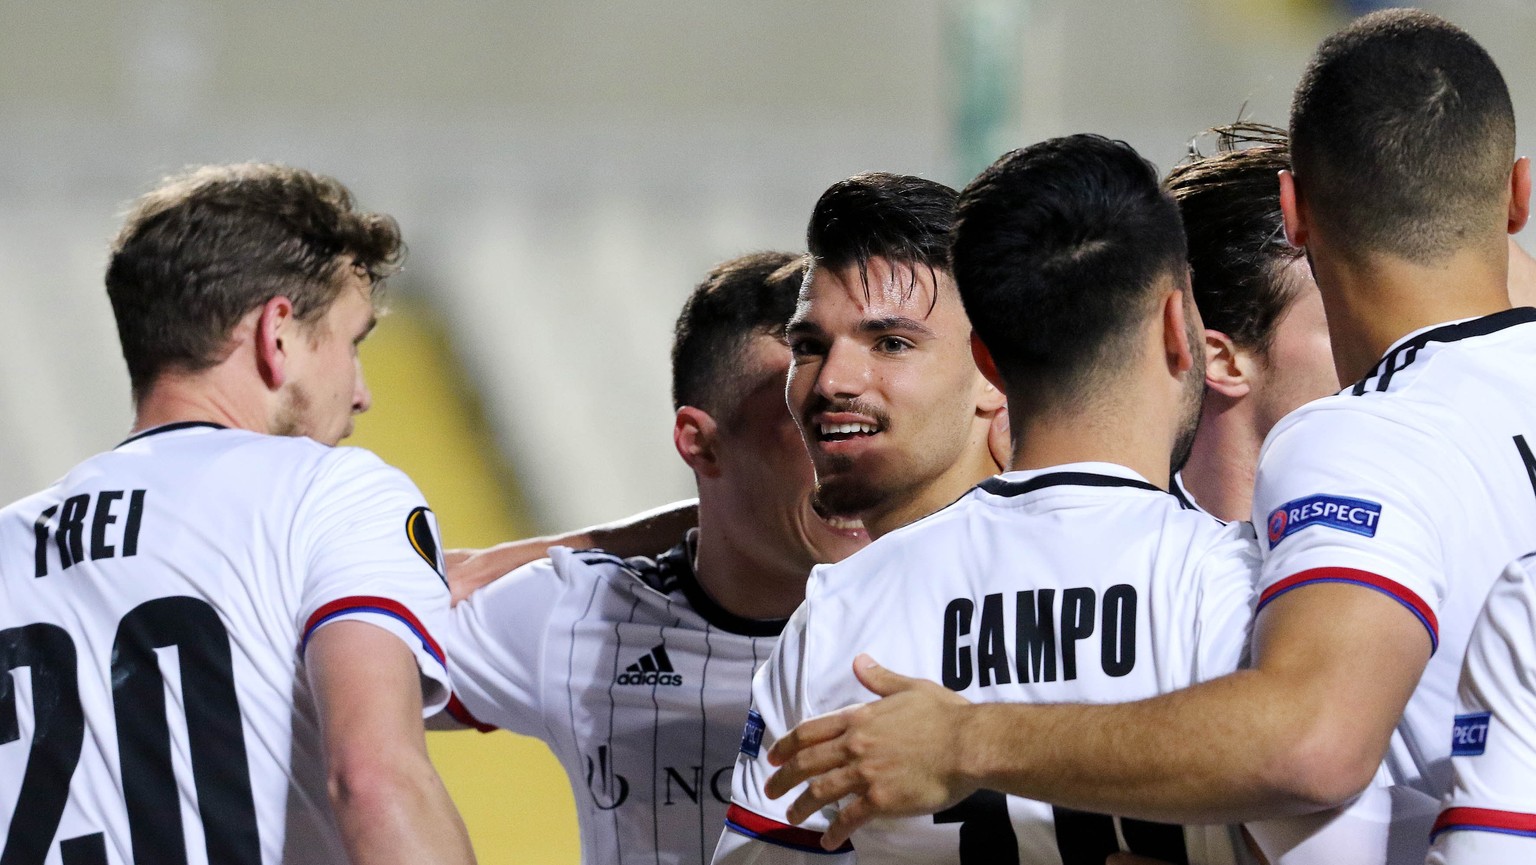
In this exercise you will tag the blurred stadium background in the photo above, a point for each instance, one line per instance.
(564, 173)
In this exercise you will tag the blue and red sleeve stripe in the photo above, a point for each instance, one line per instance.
(1484, 820)
(740, 820)
(1392, 589)
(381, 606)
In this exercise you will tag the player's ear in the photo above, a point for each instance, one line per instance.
(274, 327)
(1227, 367)
(988, 367)
(694, 436)
(1177, 314)
(1519, 194)
(1296, 230)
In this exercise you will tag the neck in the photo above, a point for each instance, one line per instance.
(1375, 301)
(177, 397)
(974, 466)
(1222, 464)
(743, 580)
(1095, 430)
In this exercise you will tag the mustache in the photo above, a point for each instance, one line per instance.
(850, 406)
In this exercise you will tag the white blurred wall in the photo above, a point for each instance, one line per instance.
(564, 172)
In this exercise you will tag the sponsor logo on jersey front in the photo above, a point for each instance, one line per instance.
(1357, 516)
(1469, 735)
(653, 668)
(752, 734)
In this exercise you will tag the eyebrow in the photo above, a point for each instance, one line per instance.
(895, 322)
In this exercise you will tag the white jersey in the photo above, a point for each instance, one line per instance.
(636, 679)
(1418, 482)
(154, 604)
(1083, 583)
(1490, 813)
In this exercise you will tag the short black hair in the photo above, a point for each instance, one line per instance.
(1056, 251)
(1403, 134)
(898, 217)
(745, 297)
(1230, 204)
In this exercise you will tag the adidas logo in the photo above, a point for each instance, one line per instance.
(653, 668)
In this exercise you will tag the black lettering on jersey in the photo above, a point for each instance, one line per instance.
(721, 796)
(1118, 645)
(957, 659)
(1035, 642)
(1076, 624)
(1037, 651)
(69, 534)
(1528, 458)
(40, 529)
(71, 527)
(103, 517)
(131, 529)
(691, 792)
(991, 643)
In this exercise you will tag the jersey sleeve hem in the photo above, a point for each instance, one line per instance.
(461, 713)
(364, 605)
(1484, 820)
(760, 828)
(1392, 589)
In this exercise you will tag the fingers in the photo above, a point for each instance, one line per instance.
(878, 679)
(848, 821)
(805, 765)
(823, 791)
(808, 733)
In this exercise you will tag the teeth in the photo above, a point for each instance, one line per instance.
(828, 429)
(845, 524)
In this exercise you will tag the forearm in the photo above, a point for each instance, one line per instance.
(1237, 748)
(398, 813)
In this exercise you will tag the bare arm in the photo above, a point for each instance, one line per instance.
(388, 800)
(644, 533)
(1302, 731)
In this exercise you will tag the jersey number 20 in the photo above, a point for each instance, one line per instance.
(214, 732)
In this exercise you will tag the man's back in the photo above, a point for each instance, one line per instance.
(161, 594)
(1419, 481)
(1079, 583)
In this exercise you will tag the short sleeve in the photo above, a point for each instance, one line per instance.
(757, 830)
(1490, 812)
(1228, 573)
(1345, 496)
(496, 641)
(370, 551)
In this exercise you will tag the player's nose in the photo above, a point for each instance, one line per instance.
(362, 397)
(842, 374)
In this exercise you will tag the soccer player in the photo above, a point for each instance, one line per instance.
(1490, 813)
(1074, 576)
(1266, 338)
(1389, 510)
(220, 633)
(637, 672)
(897, 418)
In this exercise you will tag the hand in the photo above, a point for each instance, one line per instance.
(470, 569)
(898, 756)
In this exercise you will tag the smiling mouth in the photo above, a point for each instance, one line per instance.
(837, 522)
(841, 432)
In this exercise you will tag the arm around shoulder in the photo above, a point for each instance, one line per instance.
(389, 803)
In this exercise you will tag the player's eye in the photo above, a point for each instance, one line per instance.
(892, 345)
(803, 347)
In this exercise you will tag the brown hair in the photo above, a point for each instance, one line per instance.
(209, 245)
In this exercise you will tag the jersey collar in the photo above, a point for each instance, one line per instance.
(678, 563)
(170, 427)
(1403, 351)
(1070, 475)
